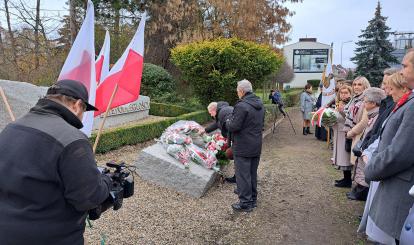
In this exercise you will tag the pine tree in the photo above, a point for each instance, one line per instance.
(373, 53)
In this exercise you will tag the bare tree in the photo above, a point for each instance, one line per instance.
(12, 40)
(72, 22)
(1, 45)
(36, 34)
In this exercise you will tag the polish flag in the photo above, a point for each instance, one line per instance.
(126, 72)
(102, 61)
(80, 63)
(318, 114)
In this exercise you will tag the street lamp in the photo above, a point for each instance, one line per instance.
(342, 45)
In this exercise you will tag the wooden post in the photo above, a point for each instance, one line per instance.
(104, 119)
(3, 96)
(328, 136)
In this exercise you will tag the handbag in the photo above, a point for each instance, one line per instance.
(348, 145)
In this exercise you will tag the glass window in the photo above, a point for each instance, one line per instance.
(309, 60)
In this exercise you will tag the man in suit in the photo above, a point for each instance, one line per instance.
(393, 162)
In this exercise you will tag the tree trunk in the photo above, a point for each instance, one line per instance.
(1, 46)
(36, 33)
(116, 33)
(72, 22)
(13, 43)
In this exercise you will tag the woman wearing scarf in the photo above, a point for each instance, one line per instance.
(341, 157)
(356, 119)
(397, 89)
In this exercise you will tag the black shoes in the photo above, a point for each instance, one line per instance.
(240, 207)
(231, 179)
(339, 180)
(344, 183)
(308, 130)
(359, 193)
(305, 132)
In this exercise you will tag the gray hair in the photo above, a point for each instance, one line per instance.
(390, 71)
(212, 105)
(374, 95)
(245, 86)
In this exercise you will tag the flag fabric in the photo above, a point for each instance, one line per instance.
(328, 93)
(102, 61)
(126, 72)
(80, 63)
(318, 114)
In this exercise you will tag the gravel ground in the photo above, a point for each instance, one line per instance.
(297, 203)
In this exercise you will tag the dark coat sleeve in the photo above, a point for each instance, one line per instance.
(210, 128)
(235, 122)
(397, 156)
(84, 186)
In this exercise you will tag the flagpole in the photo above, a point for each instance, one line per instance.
(98, 136)
(328, 135)
(9, 110)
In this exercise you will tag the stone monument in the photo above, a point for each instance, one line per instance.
(155, 165)
(21, 96)
(134, 111)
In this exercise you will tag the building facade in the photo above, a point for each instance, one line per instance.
(307, 59)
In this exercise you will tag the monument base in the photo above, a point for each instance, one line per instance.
(156, 166)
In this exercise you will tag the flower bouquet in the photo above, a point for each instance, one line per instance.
(324, 117)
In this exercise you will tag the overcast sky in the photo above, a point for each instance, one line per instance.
(339, 21)
(329, 21)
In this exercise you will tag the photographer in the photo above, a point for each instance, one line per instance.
(50, 178)
(276, 98)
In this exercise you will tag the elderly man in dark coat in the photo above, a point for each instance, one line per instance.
(246, 126)
(220, 111)
(393, 162)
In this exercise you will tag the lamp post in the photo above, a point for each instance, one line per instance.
(342, 45)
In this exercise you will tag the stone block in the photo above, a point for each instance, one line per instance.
(156, 166)
(130, 112)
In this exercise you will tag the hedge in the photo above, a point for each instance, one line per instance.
(130, 135)
(291, 98)
(167, 110)
(314, 82)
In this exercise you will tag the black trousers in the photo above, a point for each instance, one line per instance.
(246, 178)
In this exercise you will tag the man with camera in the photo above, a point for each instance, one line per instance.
(50, 178)
(276, 99)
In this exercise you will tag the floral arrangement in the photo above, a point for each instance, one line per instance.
(178, 140)
(324, 117)
(217, 143)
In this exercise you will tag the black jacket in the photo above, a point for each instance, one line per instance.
(223, 112)
(49, 178)
(386, 107)
(246, 125)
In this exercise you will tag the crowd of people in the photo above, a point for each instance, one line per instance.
(373, 147)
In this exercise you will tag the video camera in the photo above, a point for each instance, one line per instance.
(122, 187)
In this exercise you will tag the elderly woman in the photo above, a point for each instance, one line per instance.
(372, 102)
(306, 106)
(395, 85)
(341, 157)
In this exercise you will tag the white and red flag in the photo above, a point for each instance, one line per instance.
(80, 63)
(126, 72)
(102, 61)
